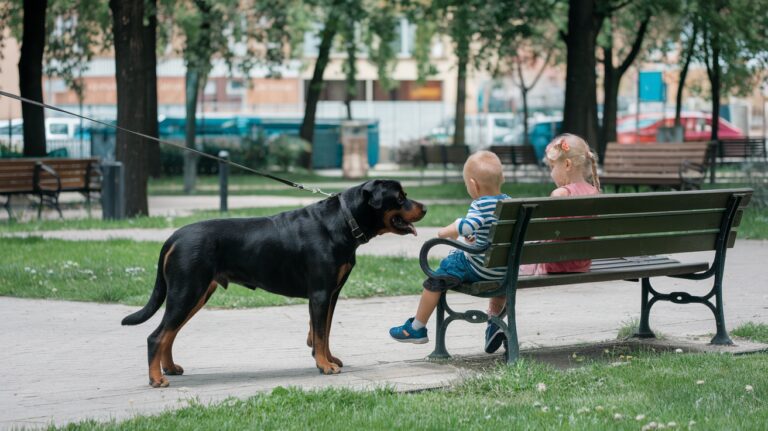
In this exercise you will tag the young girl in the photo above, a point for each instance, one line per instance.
(571, 164)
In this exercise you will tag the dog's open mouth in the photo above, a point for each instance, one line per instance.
(402, 225)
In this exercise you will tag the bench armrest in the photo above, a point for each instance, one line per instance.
(50, 171)
(424, 253)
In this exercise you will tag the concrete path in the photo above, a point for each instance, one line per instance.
(67, 361)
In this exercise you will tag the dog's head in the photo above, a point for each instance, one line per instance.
(393, 211)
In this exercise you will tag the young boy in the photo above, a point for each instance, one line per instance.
(483, 177)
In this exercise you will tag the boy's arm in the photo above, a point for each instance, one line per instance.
(470, 224)
(449, 231)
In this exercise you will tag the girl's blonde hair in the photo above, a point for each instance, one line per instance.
(575, 149)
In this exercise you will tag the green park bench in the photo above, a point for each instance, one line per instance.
(444, 155)
(626, 235)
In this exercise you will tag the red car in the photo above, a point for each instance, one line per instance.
(697, 127)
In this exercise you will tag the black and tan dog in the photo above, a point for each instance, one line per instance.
(306, 253)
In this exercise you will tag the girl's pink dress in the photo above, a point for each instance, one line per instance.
(575, 189)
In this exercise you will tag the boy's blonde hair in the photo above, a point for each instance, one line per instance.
(485, 167)
(575, 149)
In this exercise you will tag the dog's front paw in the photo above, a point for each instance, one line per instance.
(162, 382)
(328, 368)
(336, 361)
(173, 370)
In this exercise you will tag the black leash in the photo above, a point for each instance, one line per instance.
(152, 138)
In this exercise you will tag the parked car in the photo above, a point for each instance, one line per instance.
(697, 126)
(480, 130)
(56, 128)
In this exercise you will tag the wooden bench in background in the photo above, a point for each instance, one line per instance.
(46, 178)
(677, 166)
(624, 234)
(519, 157)
(741, 150)
(444, 155)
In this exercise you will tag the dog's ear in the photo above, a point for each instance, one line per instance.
(372, 193)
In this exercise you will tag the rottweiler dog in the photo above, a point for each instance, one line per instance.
(305, 253)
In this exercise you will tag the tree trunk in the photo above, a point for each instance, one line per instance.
(150, 72)
(316, 84)
(132, 106)
(683, 76)
(31, 76)
(715, 82)
(192, 84)
(580, 111)
(611, 81)
(461, 98)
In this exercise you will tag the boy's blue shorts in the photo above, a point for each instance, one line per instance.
(455, 265)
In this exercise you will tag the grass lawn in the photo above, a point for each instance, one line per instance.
(124, 272)
(680, 391)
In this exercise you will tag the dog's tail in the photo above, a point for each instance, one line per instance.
(158, 293)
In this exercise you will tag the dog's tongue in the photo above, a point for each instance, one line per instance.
(412, 229)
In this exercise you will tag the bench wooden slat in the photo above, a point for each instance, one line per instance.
(605, 225)
(602, 270)
(619, 204)
(598, 248)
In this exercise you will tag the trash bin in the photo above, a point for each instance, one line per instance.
(112, 191)
(354, 140)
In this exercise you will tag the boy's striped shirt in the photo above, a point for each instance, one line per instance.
(478, 223)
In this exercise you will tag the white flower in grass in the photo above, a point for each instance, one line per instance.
(678, 350)
(599, 408)
(134, 271)
(699, 382)
(541, 387)
(545, 409)
(691, 423)
(618, 416)
(749, 388)
(583, 410)
(672, 424)
(54, 290)
(639, 417)
(650, 426)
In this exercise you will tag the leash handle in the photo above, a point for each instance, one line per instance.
(152, 138)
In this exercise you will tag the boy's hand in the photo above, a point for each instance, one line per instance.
(449, 231)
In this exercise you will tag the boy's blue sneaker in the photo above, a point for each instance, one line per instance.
(407, 334)
(494, 337)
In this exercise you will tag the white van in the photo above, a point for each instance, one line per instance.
(55, 128)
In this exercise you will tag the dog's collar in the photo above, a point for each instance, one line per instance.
(356, 231)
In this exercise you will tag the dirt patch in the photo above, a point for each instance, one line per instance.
(615, 352)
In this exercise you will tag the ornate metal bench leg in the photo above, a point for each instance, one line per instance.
(721, 337)
(440, 351)
(513, 348)
(644, 331)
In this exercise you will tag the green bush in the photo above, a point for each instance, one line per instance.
(287, 151)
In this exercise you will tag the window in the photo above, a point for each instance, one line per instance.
(336, 90)
(410, 90)
(57, 128)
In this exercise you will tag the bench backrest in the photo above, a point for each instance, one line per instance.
(75, 174)
(742, 148)
(516, 154)
(444, 154)
(17, 175)
(653, 158)
(618, 225)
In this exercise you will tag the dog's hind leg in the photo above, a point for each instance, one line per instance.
(179, 309)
